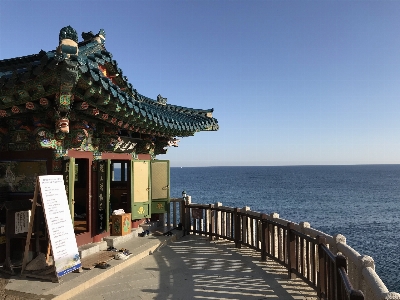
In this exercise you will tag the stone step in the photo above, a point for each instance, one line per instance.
(150, 226)
(89, 249)
(114, 241)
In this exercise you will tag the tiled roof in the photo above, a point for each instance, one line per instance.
(114, 97)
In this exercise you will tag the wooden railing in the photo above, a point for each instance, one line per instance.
(304, 256)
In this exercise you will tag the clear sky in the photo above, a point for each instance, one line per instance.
(291, 82)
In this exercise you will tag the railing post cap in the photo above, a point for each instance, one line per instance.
(246, 208)
(305, 225)
(338, 238)
(217, 204)
(274, 215)
(392, 296)
(367, 261)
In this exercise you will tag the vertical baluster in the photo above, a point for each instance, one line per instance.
(223, 224)
(291, 244)
(285, 247)
(313, 264)
(264, 239)
(302, 262)
(340, 263)
(237, 228)
(322, 284)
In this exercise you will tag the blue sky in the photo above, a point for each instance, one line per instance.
(291, 82)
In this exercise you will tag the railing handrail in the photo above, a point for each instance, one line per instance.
(253, 229)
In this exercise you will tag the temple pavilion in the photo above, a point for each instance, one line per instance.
(72, 112)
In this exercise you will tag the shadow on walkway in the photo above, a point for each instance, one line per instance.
(195, 268)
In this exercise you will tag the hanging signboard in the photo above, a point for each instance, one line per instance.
(102, 201)
(125, 144)
(58, 218)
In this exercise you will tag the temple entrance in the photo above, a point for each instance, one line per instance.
(81, 192)
(77, 179)
(120, 185)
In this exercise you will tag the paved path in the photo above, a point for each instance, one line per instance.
(194, 268)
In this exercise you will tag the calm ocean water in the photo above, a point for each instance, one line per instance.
(360, 202)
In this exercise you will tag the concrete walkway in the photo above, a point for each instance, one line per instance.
(195, 268)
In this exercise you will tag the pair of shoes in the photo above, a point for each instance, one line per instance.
(120, 256)
(125, 251)
(112, 249)
(169, 233)
(102, 265)
(144, 233)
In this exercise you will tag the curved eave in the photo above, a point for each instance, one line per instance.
(132, 108)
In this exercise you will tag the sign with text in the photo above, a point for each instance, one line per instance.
(125, 144)
(22, 221)
(58, 217)
(102, 201)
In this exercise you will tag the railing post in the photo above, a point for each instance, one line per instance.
(218, 220)
(245, 226)
(168, 209)
(321, 285)
(273, 238)
(211, 222)
(264, 239)
(237, 231)
(187, 215)
(291, 249)
(182, 212)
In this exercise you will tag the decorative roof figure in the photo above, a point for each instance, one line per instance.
(161, 100)
(100, 37)
(87, 35)
(68, 33)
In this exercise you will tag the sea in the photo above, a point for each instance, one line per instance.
(361, 202)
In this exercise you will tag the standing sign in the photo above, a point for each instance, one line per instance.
(58, 219)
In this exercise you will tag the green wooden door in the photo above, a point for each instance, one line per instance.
(160, 191)
(69, 181)
(140, 189)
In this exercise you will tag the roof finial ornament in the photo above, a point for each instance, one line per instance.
(100, 37)
(68, 45)
(161, 100)
(87, 35)
(68, 33)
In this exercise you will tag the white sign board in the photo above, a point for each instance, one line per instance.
(59, 224)
(22, 221)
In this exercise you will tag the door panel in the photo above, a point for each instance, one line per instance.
(69, 181)
(160, 191)
(140, 181)
(140, 189)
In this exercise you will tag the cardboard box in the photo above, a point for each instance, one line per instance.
(121, 224)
